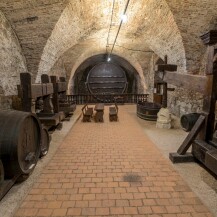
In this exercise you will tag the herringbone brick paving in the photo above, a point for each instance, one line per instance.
(110, 169)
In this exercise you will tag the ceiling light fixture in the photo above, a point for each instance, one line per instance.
(111, 23)
(123, 18)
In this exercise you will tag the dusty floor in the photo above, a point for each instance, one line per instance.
(203, 184)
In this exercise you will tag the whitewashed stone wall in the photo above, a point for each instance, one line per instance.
(183, 101)
(12, 63)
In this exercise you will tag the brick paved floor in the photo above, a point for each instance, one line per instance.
(110, 169)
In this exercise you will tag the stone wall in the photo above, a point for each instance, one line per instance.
(183, 101)
(59, 69)
(12, 63)
(193, 19)
(33, 22)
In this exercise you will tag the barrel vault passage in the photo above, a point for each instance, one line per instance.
(108, 108)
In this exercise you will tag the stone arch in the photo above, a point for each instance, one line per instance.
(12, 61)
(88, 54)
(194, 19)
(72, 28)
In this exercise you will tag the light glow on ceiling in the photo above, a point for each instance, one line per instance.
(124, 18)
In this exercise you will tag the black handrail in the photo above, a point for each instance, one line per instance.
(107, 98)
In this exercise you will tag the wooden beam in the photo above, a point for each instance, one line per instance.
(170, 89)
(61, 86)
(55, 94)
(36, 91)
(209, 38)
(167, 67)
(192, 82)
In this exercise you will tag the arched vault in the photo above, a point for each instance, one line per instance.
(47, 29)
(151, 26)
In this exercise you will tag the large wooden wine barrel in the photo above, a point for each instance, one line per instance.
(20, 138)
(106, 78)
(188, 121)
(1, 172)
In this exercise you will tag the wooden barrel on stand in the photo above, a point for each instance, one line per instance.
(106, 79)
(188, 121)
(20, 139)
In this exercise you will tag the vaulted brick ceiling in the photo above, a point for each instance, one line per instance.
(54, 32)
(33, 22)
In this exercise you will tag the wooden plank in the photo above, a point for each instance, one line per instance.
(170, 89)
(193, 82)
(61, 86)
(36, 91)
(210, 37)
(20, 92)
(49, 88)
(25, 84)
(167, 67)
(44, 89)
(209, 104)
(191, 136)
(55, 98)
(45, 79)
(62, 79)
(209, 62)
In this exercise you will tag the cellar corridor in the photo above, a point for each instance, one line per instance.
(101, 169)
(108, 108)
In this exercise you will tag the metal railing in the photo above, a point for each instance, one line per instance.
(107, 98)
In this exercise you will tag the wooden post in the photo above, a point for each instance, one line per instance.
(191, 136)
(26, 81)
(48, 106)
(163, 68)
(63, 94)
(55, 94)
(210, 95)
(62, 79)
(164, 100)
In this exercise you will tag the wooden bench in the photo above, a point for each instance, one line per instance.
(113, 113)
(87, 113)
(99, 108)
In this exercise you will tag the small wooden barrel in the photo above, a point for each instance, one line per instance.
(45, 142)
(20, 138)
(1, 172)
(188, 121)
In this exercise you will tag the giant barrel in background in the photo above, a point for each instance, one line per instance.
(188, 121)
(106, 78)
(20, 138)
